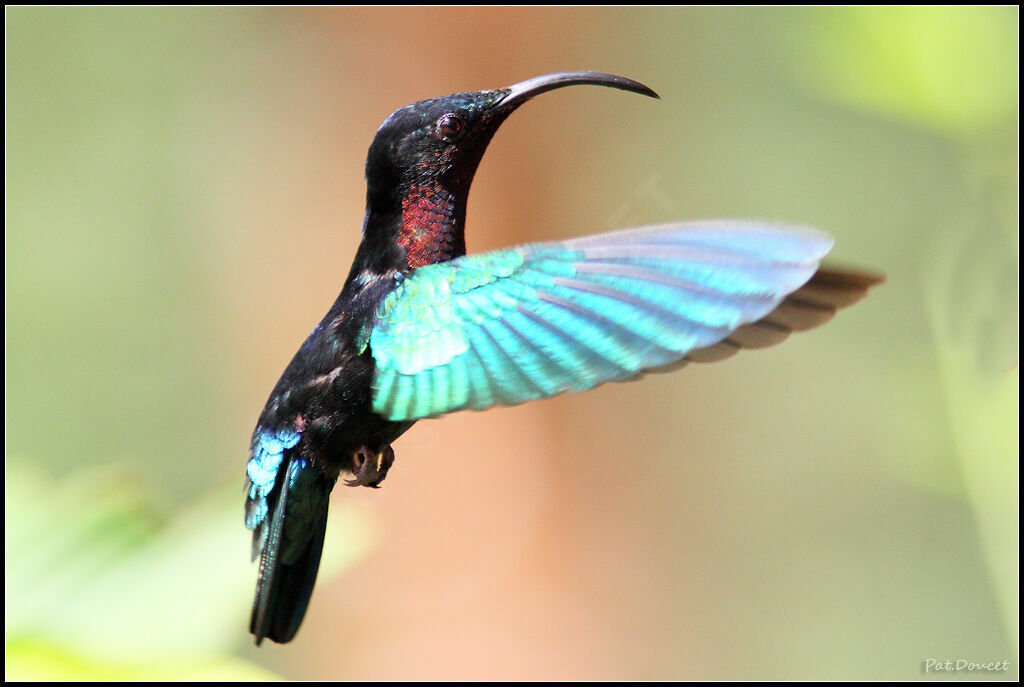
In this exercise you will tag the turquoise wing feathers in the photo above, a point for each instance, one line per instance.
(537, 320)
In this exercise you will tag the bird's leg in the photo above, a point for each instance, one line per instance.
(370, 470)
(385, 460)
(363, 468)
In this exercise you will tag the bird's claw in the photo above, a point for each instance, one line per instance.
(370, 469)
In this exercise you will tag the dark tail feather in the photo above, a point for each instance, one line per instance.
(291, 553)
(812, 304)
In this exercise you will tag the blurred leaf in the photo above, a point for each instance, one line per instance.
(41, 660)
(944, 67)
(90, 571)
(972, 299)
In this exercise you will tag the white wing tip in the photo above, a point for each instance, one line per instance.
(821, 241)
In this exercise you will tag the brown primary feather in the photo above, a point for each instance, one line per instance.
(811, 305)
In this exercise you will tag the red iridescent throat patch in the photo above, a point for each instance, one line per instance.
(428, 231)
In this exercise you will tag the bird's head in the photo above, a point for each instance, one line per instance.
(443, 139)
(421, 164)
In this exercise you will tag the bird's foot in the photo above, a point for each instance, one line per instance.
(370, 469)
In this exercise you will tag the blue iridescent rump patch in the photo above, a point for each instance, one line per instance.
(267, 452)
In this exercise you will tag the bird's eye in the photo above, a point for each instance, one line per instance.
(450, 127)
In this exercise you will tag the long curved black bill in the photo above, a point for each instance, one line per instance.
(524, 90)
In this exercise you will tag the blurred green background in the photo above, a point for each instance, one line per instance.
(184, 194)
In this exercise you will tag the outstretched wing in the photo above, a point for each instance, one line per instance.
(537, 320)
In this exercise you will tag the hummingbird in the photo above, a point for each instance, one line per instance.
(421, 329)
